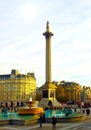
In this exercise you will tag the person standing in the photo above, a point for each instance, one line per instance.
(54, 121)
(88, 111)
(40, 120)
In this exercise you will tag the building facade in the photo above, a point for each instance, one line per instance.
(16, 88)
(86, 94)
(72, 91)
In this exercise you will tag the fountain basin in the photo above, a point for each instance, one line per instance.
(30, 111)
(23, 119)
(61, 116)
(16, 119)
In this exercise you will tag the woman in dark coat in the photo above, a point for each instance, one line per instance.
(40, 120)
(54, 121)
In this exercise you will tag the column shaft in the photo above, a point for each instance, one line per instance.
(48, 60)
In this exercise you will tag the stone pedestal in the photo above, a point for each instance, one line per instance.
(49, 96)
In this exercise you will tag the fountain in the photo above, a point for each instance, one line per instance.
(31, 108)
(30, 115)
(25, 116)
(64, 115)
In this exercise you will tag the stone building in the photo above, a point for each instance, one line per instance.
(72, 91)
(86, 94)
(16, 88)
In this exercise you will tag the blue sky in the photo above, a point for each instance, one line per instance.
(22, 45)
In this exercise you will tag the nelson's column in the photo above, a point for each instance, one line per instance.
(48, 92)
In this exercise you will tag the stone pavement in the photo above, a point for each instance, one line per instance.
(46, 126)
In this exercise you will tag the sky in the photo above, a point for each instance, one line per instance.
(22, 44)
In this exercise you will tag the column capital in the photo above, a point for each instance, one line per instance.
(48, 34)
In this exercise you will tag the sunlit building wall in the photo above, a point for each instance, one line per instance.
(16, 88)
(72, 91)
(88, 93)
